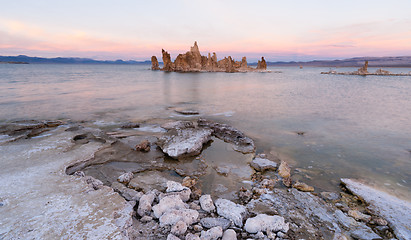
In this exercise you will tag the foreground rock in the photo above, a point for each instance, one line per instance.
(265, 223)
(232, 211)
(187, 142)
(396, 211)
(263, 164)
(192, 61)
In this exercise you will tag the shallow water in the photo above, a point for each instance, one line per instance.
(354, 126)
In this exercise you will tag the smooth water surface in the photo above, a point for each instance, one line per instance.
(354, 126)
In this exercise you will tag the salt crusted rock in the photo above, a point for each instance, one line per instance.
(174, 187)
(230, 210)
(191, 236)
(179, 228)
(172, 237)
(125, 178)
(209, 222)
(229, 234)
(171, 217)
(263, 164)
(264, 223)
(212, 234)
(168, 203)
(207, 203)
(144, 205)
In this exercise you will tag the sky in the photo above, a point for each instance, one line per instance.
(298, 30)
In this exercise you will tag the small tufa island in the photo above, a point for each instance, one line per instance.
(192, 61)
(363, 71)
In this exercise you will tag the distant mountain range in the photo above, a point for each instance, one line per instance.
(27, 59)
(403, 61)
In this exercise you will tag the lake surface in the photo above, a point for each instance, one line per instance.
(354, 126)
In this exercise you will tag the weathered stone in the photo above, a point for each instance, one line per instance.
(303, 187)
(330, 196)
(197, 228)
(284, 170)
(263, 222)
(230, 210)
(263, 164)
(172, 237)
(262, 64)
(171, 217)
(127, 193)
(146, 219)
(168, 65)
(144, 205)
(357, 215)
(168, 203)
(229, 234)
(93, 182)
(189, 182)
(191, 236)
(179, 228)
(125, 178)
(174, 187)
(187, 142)
(395, 211)
(154, 63)
(143, 146)
(207, 203)
(212, 234)
(209, 222)
(244, 195)
(177, 125)
(268, 183)
(184, 194)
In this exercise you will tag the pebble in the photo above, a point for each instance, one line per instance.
(229, 234)
(206, 203)
(179, 228)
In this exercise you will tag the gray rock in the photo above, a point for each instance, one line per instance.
(209, 222)
(263, 164)
(179, 228)
(167, 203)
(177, 125)
(184, 195)
(330, 196)
(191, 236)
(223, 170)
(93, 182)
(206, 203)
(259, 235)
(397, 212)
(125, 178)
(174, 187)
(171, 217)
(127, 193)
(212, 234)
(187, 142)
(230, 210)
(172, 237)
(229, 234)
(263, 223)
(144, 205)
(146, 219)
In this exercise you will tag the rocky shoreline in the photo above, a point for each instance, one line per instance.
(269, 206)
(363, 71)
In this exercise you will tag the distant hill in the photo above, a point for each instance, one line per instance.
(404, 61)
(39, 60)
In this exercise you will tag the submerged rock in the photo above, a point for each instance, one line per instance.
(263, 164)
(187, 142)
(231, 210)
(263, 222)
(154, 63)
(127, 193)
(177, 125)
(397, 212)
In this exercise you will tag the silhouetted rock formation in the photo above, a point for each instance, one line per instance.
(192, 61)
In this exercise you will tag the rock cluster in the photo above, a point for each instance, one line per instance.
(363, 71)
(193, 61)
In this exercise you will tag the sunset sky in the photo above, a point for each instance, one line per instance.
(279, 30)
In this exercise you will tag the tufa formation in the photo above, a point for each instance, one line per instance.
(192, 61)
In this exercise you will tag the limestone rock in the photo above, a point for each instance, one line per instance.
(174, 187)
(284, 170)
(125, 178)
(303, 187)
(209, 222)
(93, 182)
(230, 210)
(191, 236)
(262, 65)
(179, 228)
(168, 65)
(172, 237)
(184, 194)
(187, 142)
(144, 205)
(177, 125)
(357, 215)
(207, 203)
(171, 217)
(263, 164)
(143, 146)
(212, 234)
(154, 63)
(229, 234)
(263, 222)
(127, 193)
(168, 203)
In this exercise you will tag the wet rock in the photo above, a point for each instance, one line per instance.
(284, 170)
(179, 228)
(330, 196)
(229, 134)
(229, 234)
(263, 222)
(189, 182)
(187, 142)
(127, 193)
(231, 210)
(187, 111)
(212, 234)
(144, 205)
(125, 178)
(130, 125)
(171, 217)
(168, 203)
(223, 170)
(357, 215)
(303, 187)
(177, 125)
(395, 211)
(209, 222)
(168, 66)
(154, 63)
(191, 236)
(287, 182)
(263, 164)
(143, 146)
(220, 188)
(94, 183)
(244, 195)
(172, 237)
(207, 203)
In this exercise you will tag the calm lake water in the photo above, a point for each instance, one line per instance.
(355, 127)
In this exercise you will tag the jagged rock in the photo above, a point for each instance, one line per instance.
(207, 203)
(395, 211)
(127, 193)
(144, 205)
(93, 182)
(171, 217)
(209, 222)
(244, 63)
(168, 203)
(125, 178)
(154, 63)
(187, 142)
(263, 164)
(191, 236)
(179, 228)
(212, 234)
(177, 125)
(284, 170)
(230, 210)
(244, 195)
(357, 215)
(143, 146)
(168, 65)
(174, 187)
(189, 182)
(268, 183)
(184, 194)
(229, 234)
(303, 187)
(263, 222)
(229, 134)
(262, 64)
